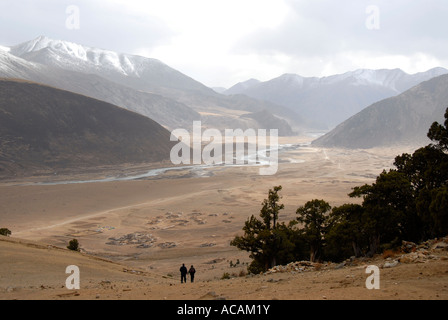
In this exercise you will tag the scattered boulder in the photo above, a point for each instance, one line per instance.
(421, 256)
(207, 245)
(390, 264)
(422, 253)
(440, 245)
(299, 266)
(408, 246)
(167, 245)
(143, 240)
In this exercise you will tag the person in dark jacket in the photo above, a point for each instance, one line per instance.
(192, 271)
(183, 274)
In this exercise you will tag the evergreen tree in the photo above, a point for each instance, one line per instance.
(439, 133)
(314, 216)
(73, 245)
(5, 232)
(346, 235)
(269, 242)
(386, 204)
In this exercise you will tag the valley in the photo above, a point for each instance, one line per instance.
(86, 152)
(197, 215)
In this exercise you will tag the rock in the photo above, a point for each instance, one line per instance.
(294, 267)
(390, 264)
(407, 246)
(143, 239)
(440, 245)
(420, 256)
(205, 245)
(220, 298)
(167, 245)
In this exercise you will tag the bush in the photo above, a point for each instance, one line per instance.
(73, 245)
(225, 276)
(5, 232)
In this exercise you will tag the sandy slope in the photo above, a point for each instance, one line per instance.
(155, 225)
(32, 270)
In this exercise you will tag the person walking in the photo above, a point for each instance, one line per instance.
(192, 271)
(183, 273)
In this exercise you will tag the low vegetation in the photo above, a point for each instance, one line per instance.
(73, 245)
(5, 232)
(407, 203)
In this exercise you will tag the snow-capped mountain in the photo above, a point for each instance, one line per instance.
(395, 79)
(328, 101)
(144, 85)
(165, 111)
(148, 73)
(14, 67)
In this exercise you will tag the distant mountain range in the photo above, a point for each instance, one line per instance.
(79, 106)
(140, 84)
(165, 111)
(401, 120)
(45, 129)
(328, 101)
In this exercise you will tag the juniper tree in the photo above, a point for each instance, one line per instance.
(268, 241)
(314, 216)
(5, 232)
(346, 235)
(387, 204)
(73, 245)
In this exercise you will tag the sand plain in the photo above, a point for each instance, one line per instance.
(145, 229)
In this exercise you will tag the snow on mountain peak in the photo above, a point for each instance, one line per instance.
(78, 57)
(292, 79)
(5, 49)
(360, 77)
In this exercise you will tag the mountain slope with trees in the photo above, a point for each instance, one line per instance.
(409, 203)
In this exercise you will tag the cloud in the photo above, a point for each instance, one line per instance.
(104, 24)
(326, 31)
(220, 42)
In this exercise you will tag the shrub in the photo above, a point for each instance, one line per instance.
(73, 245)
(5, 232)
(225, 276)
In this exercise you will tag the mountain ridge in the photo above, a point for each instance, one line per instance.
(76, 57)
(43, 128)
(153, 77)
(328, 101)
(401, 120)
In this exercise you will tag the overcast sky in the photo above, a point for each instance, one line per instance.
(222, 42)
